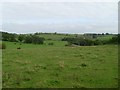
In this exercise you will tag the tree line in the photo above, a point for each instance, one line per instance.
(82, 41)
(29, 38)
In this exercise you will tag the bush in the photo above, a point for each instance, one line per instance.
(37, 40)
(28, 39)
(115, 39)
(2, 46)
(34, 39)
(49, 39)
(79, 41)
(98, 42)
(21, 37)
(8, 37)
(69, 44)
(51, 43)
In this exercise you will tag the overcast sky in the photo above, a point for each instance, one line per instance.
(62, 17)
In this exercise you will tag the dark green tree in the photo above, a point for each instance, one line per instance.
(37, 40)
(21, 37)
(28, 39)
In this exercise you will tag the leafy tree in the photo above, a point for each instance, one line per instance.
(98, 42)
(115, 39)
(21, 37)
(34, 39)
(5, 36)
(37, 40)
(8, 37)
(107, 33)
(12, 38)
(79, 41)
(28, 39)
(102, 33)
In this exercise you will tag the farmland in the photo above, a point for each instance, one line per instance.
(59, 66)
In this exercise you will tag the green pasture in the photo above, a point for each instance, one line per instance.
(59, 66)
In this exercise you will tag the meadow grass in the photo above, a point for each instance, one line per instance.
(59, 66)
(105, 37)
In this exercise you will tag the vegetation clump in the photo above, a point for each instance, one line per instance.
(82, 41)
(29, 38)
(19, 48)
(51, 43)
(83, 65)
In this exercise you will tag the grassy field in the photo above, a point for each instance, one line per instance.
(59, 66)
(105, 37)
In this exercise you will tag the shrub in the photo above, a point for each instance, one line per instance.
(28, 39)
(49, 39)
(51, 43)
(115, 39)
(34, 39)
(37, 40)
(83, 65)
(79, 41)
(66, 45)
(19, 48)
(21, 37)
(98, 42)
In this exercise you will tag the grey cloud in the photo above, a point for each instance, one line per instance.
(67, 28)
(98, 17)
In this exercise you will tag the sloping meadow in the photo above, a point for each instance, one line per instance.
(58, 66)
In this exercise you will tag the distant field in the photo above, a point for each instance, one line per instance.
(58, 66)
(60, 36)
(105, 37)
(54, 36)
